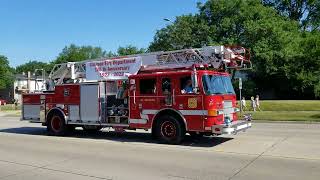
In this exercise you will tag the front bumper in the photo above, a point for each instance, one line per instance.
(233, 128)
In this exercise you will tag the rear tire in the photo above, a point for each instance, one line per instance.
(56, 126)
(169, 130)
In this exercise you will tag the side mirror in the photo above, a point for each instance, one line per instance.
(194, 79)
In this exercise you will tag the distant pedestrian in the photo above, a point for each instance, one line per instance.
(253, 104)
(15, 104)
(258, 102)
(243, 104)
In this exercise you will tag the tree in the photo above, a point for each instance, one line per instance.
(75, 53)
(6, 76)
(277, 45)
(304, 72)
(129, 50)
(185, 32)
(32, 66)
(307, 12)
(111, 54)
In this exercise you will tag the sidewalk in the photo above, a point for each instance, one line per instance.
(15, 113)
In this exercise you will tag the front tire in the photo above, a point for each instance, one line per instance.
(56, 126)
(169, 130)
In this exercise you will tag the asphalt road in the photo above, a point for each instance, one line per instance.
(266, 151)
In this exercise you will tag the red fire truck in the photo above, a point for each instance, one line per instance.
(172, 93)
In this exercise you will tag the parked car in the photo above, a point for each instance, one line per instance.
(3, 102)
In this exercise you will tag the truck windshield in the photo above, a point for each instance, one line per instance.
(216, 84)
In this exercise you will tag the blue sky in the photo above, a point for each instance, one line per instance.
(38, 29)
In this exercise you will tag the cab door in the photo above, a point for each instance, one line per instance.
(189, 104)
(143, 101)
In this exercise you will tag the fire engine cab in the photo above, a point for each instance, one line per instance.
(172, 93)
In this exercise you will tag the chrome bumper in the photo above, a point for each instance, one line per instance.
(233, 128)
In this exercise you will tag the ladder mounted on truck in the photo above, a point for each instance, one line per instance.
(217, 57)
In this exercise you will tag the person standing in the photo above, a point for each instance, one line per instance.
(253, 104)
(257, 100)
(243, 104)
(15, 104)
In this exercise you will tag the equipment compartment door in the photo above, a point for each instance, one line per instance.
(89, 103)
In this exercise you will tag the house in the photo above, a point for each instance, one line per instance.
(23, 84)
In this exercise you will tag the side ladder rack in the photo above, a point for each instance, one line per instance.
(217, 57)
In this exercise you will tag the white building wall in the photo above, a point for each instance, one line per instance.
(23, 84)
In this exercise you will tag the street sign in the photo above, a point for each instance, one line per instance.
(240, 83)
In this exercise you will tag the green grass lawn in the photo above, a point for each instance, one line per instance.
(290, 105)
(14, 113)
(9, 107)
(286, 115)
(287, 110)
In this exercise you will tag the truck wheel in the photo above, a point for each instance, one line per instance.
(169, 130)
(91, 129)
(56, 126)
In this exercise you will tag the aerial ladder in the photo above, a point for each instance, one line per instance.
(220, 58)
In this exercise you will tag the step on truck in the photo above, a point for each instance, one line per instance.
(169, 92)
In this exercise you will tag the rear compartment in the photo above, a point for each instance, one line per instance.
(31, 107)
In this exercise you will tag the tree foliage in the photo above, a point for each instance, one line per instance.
(6, 76)
(32, 66)
(281, 52)
(282, 35)
(75, 53)
(129, 50)
(185, 32)
(307, 12)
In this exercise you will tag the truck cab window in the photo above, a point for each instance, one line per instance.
(166, 90)
(147, 86)
(166, 85)
(186, 85)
